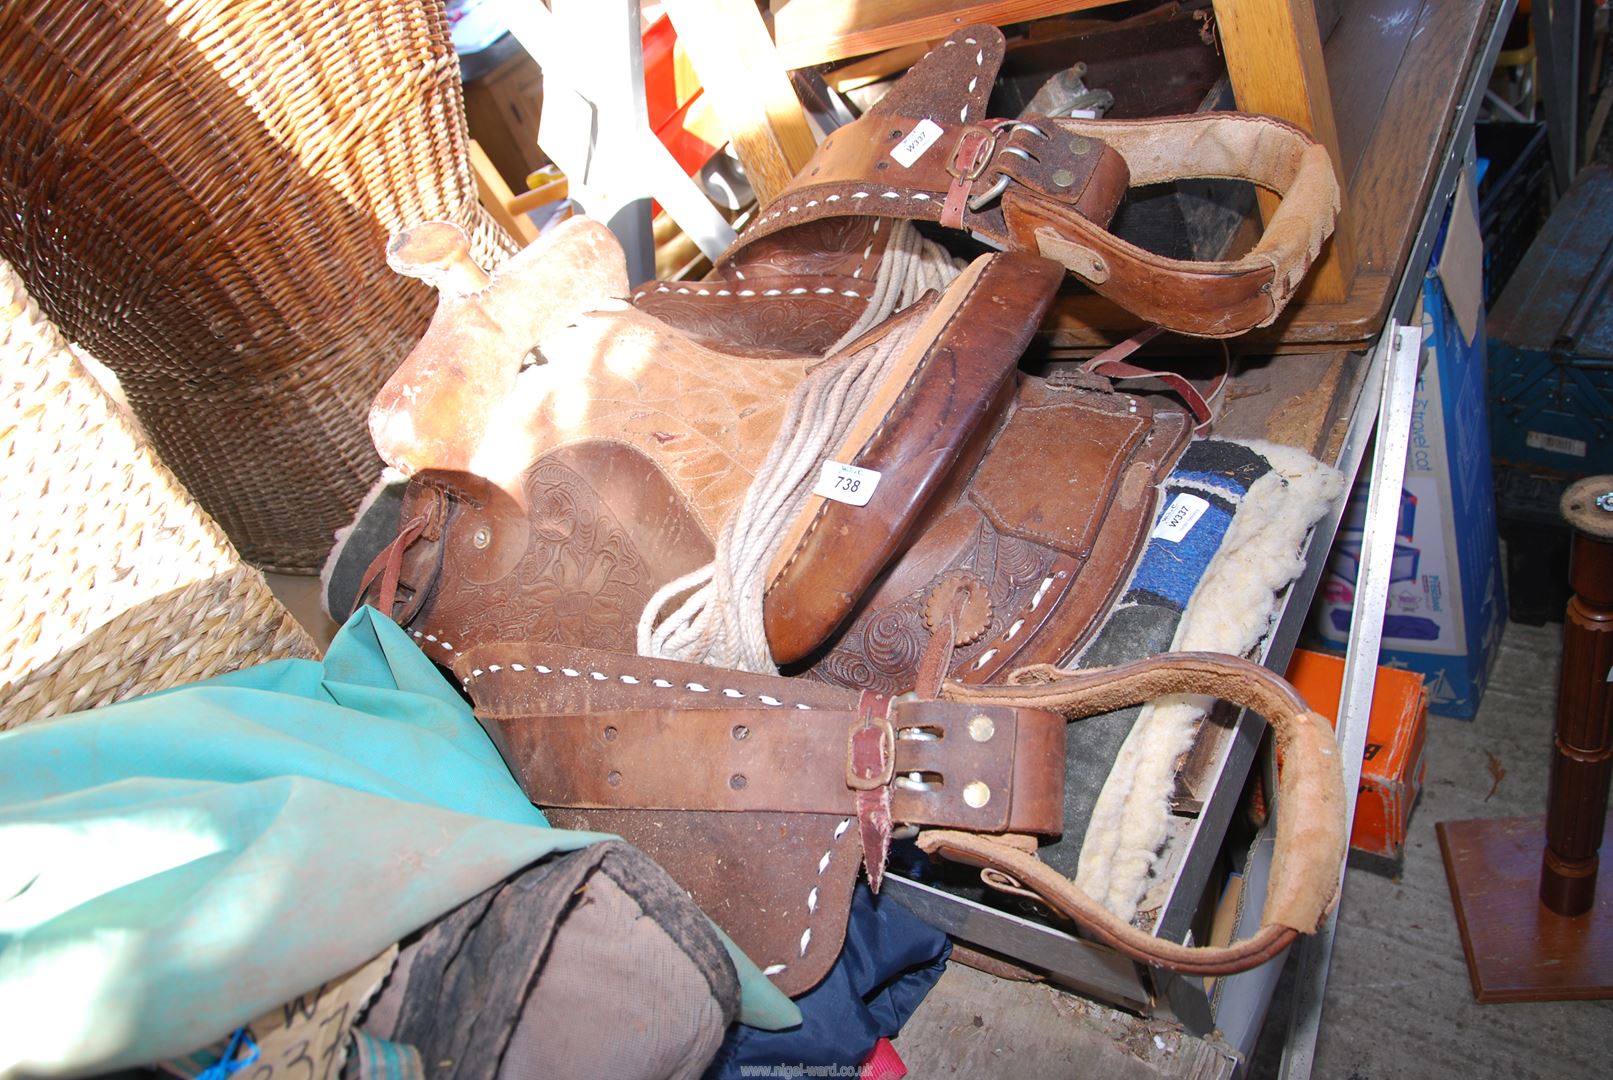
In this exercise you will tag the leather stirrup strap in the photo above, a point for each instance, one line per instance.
(1112, 364)
(388, 565)
(1311, 841)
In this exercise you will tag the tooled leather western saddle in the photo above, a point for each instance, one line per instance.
(623, 520)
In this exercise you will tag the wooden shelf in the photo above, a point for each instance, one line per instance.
(1396, 71)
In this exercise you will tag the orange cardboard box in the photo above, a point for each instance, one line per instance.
(1392, 769)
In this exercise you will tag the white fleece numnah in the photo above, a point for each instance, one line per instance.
(1232, 608)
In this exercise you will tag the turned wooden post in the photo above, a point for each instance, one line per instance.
(1540, 927)
(1582, 754)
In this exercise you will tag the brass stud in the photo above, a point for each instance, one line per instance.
(1079, 144)
(1063, 177)
(981, 728)
(976, 794)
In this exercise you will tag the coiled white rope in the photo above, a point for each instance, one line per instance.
(719, 622)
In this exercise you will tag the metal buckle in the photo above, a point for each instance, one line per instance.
(1000, 185)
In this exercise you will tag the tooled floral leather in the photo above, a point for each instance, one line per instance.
(1050, 563)
(572, 556)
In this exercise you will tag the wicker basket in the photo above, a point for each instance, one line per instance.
(200, 193)
(112, 581)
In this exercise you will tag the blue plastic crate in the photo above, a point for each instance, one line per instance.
(1551, 342)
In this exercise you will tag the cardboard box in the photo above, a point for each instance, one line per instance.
(1393, 768)
(1447, 602)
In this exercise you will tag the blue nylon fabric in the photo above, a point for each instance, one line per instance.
(891, 959)
(175, 865)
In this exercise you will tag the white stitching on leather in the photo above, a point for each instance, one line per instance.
(985, 658)
(1012, 630)
(661, 684)
(1041, 592)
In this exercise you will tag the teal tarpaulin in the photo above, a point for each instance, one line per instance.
(175, 865)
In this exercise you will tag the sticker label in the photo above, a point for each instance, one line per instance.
(846, 483)
(1180, 517)
(1557, 444)
(920, 139)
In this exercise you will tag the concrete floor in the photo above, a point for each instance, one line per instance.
(1398, 1001)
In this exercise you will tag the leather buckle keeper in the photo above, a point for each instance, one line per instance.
(870, 748)
(970, 156)
(870, 765)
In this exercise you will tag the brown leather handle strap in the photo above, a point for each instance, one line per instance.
(1311, 840)
(1241, 293)
(1064, 896)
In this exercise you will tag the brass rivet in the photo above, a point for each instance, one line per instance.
(976, 794)
(613, 778)
(981, 729)
(1063, 177)
(482, 537)
(1080, 145)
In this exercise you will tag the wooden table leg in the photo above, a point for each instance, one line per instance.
(1539, 926)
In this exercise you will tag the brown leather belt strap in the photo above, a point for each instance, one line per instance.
(1049, 184)
(585, 739)
(1310, 821)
